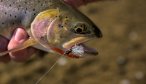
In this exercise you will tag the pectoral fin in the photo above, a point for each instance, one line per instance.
(24, 45)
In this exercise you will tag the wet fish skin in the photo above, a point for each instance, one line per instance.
(24, 13)
(20, 13)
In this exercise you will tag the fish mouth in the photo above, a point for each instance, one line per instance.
(77, 47)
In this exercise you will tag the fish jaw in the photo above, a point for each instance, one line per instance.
(41, 23)
(77, 46)
(57, 29)
(62, 52)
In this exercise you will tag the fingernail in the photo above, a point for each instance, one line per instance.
(20, 35)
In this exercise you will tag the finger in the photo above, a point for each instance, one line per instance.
(3, 47)
(17, 39)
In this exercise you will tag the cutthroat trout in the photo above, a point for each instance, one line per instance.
(51, 24)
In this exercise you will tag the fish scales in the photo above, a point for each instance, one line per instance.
(53, 25)
(20, 13)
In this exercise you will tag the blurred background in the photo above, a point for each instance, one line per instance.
(122, 51)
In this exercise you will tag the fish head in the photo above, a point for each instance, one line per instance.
(65, 32)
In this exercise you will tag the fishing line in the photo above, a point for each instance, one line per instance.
(45, 74)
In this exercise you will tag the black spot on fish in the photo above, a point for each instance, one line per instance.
(10, 15)
(10, 5)
(42, 4)
(39, 1)
(2, 23)
(19, 5)
(1, 0)
(33, 9)
(5, 13)
(25, 2)
(45, 1)
(15, 16)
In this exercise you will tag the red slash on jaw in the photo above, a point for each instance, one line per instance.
(62, 53)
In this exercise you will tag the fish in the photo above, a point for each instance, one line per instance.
(52, 25)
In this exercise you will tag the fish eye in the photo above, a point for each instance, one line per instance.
(80, 28)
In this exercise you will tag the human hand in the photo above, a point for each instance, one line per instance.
(20, 35)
